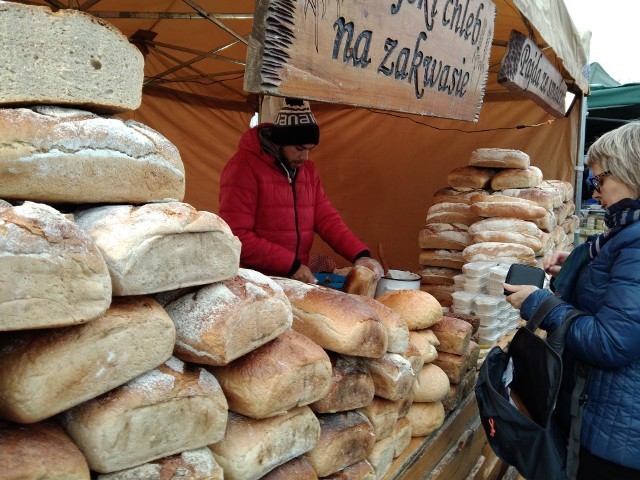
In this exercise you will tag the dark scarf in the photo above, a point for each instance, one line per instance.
(617, 217)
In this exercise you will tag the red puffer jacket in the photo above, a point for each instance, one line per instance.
(274, 219)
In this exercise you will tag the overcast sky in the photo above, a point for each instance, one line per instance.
(614, 41)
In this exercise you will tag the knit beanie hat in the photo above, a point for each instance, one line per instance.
(295, 124)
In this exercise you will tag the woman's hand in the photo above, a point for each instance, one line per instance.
(554, 262)
(520, 293)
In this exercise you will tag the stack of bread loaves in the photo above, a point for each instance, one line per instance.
(496, 209)
(88, 381)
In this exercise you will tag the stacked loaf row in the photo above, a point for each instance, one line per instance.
(496, 209)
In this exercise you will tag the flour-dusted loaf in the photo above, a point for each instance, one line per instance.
(69, 57)
(470, 177)
(418, 309)
(506, 236)
(62, 155)
(220, 322)
(392, 375)
(198, 464)
(499, 158)
(397, 330)
(506, 224)
(425, 417)
(438, 275)
(51, 272)
(444, 235)
(335, 320)
(548, 198)
(351, 386)
(299, 469)
(287, 372)
(47, 371)
(345, 438)
(563, 186)
(501, 252)
(517, 178)
(451, 213)
(167, 410)
(251, 448)
(441, 258)
(39, 451)
(508, 210)
(161, 246)
(454, 195)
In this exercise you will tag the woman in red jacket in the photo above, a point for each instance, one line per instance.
(272, 199)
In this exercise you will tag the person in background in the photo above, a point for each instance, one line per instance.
(272, 198)
(601, 278)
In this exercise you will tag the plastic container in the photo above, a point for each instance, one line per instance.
(475, 284)
(490, 338)
(477, 269)
(458, 281)
(463, 311)
(486, 332)
(463, 300)
(488, 320)
(498, 273)
(486, 305)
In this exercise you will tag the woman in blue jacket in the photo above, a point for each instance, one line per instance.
(601, 278)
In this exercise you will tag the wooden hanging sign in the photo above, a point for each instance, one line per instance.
(428, 57)
(524, 68)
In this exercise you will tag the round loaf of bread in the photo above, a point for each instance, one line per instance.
(501, 252)
(68, 58)
(548, 198)
(112, 430)
(517, 178)
(51, 272)
(530, 241)
(41, 450)
(287, 372)
(53, 154)
(418, 309)
(431, 384)
(161, 246)
(563, 186)
(508, 210)
(425, 417)
(499, 158)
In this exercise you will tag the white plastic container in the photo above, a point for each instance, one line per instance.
(486, 305)
(463, 300)
(498, 273)
(488, 320)
(458, 281)
(490, 339)
(487, 332)
(475, 284)
(477, 269)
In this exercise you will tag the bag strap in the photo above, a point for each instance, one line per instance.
(579, 399)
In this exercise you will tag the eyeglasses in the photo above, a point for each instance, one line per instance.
(595, 180)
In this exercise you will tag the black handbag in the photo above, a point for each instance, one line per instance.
(516, 392)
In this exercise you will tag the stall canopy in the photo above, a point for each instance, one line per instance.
(610, 104)
(379, 168)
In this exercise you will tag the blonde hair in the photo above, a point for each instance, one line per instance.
(618, 151)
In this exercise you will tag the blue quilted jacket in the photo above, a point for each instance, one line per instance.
(608, 338)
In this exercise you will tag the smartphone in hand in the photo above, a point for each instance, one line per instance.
(520, 274)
